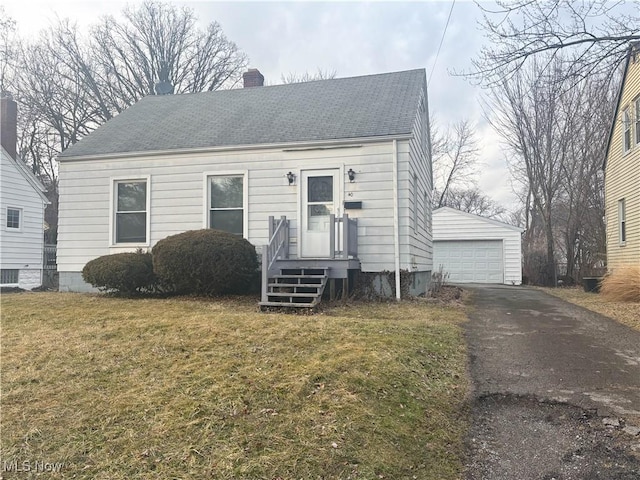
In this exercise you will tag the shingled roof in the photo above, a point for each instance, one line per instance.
(356, 107)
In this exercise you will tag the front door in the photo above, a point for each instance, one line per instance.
(319, 191)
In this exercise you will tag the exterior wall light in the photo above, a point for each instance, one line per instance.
(291, 177)
(352, 175)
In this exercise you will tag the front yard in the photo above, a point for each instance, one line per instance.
(624, 312)
(122, 389)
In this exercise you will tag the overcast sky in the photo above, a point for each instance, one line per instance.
(349, 38)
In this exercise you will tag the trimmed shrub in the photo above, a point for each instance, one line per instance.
(205, 262)
(622, 285)
(125, 273)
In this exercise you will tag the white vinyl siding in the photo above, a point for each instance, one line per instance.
(453, 225)
(414, 177)
(21, 249)
(178, 196)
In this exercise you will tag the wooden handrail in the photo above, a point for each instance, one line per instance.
(278, 247)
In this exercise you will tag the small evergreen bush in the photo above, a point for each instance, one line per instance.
(205, 262)
(124, 273)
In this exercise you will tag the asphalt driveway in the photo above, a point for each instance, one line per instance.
(556, 389)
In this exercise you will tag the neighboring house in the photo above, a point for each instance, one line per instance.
(345, 161)
(22, 204)
(474, 249)
(622, 170)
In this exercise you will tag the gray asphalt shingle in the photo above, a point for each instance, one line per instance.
(367, 106)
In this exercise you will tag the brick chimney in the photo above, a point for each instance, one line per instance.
(8, 124)
(253, 78)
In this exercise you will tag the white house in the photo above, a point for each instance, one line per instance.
(22, 204)
(343, 166)
(474, 249)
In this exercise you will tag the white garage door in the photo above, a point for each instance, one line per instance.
(470, 261)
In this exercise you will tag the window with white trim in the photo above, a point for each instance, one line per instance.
(637, 120)
(14, 218)
(622, 222)
(226, 203)
(131, 211)
(626, 127)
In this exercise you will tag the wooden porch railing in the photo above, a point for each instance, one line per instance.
(278, 247)
(343, 244)
(343, 237)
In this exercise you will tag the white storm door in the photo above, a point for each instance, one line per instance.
(319, 198)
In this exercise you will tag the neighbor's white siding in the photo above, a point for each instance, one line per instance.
(451, 224)
(177, 197)
(21, 249)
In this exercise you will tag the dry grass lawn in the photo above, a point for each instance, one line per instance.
(624, 312)
(189, 389)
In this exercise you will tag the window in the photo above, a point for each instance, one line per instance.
(226, 203)
(626, 125)
(13, 218)
(131, 211)
(8, 276)
(637, 112)
(426, 212)
(622, 222)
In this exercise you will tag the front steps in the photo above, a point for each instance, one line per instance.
(300, 287)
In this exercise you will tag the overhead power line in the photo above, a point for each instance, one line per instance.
(441, 41)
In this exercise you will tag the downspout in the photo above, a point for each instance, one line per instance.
(396, 228)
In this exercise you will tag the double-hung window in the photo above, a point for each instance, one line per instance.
(14, 218)
(131, 210)
(622, 222)
(226, 203)
(626, 126)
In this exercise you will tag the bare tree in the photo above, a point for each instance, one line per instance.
(67, 84)
(472, 200)
(556, 138)
(9, 48)
(160, 43)
(527, 116)
(596, 32)
(320, 74)
(455, 155)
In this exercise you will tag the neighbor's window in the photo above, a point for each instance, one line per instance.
(13, 218)
(8, 276)
(622, 222)
(637, 112)
(626, 125)
(226, 203)
(131, 211)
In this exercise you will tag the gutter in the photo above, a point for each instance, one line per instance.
(288, 146)
(396, 227)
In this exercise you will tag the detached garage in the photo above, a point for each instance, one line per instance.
(474, 249)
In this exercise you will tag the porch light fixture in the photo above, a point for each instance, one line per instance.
(291, 177)
(352, 175)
